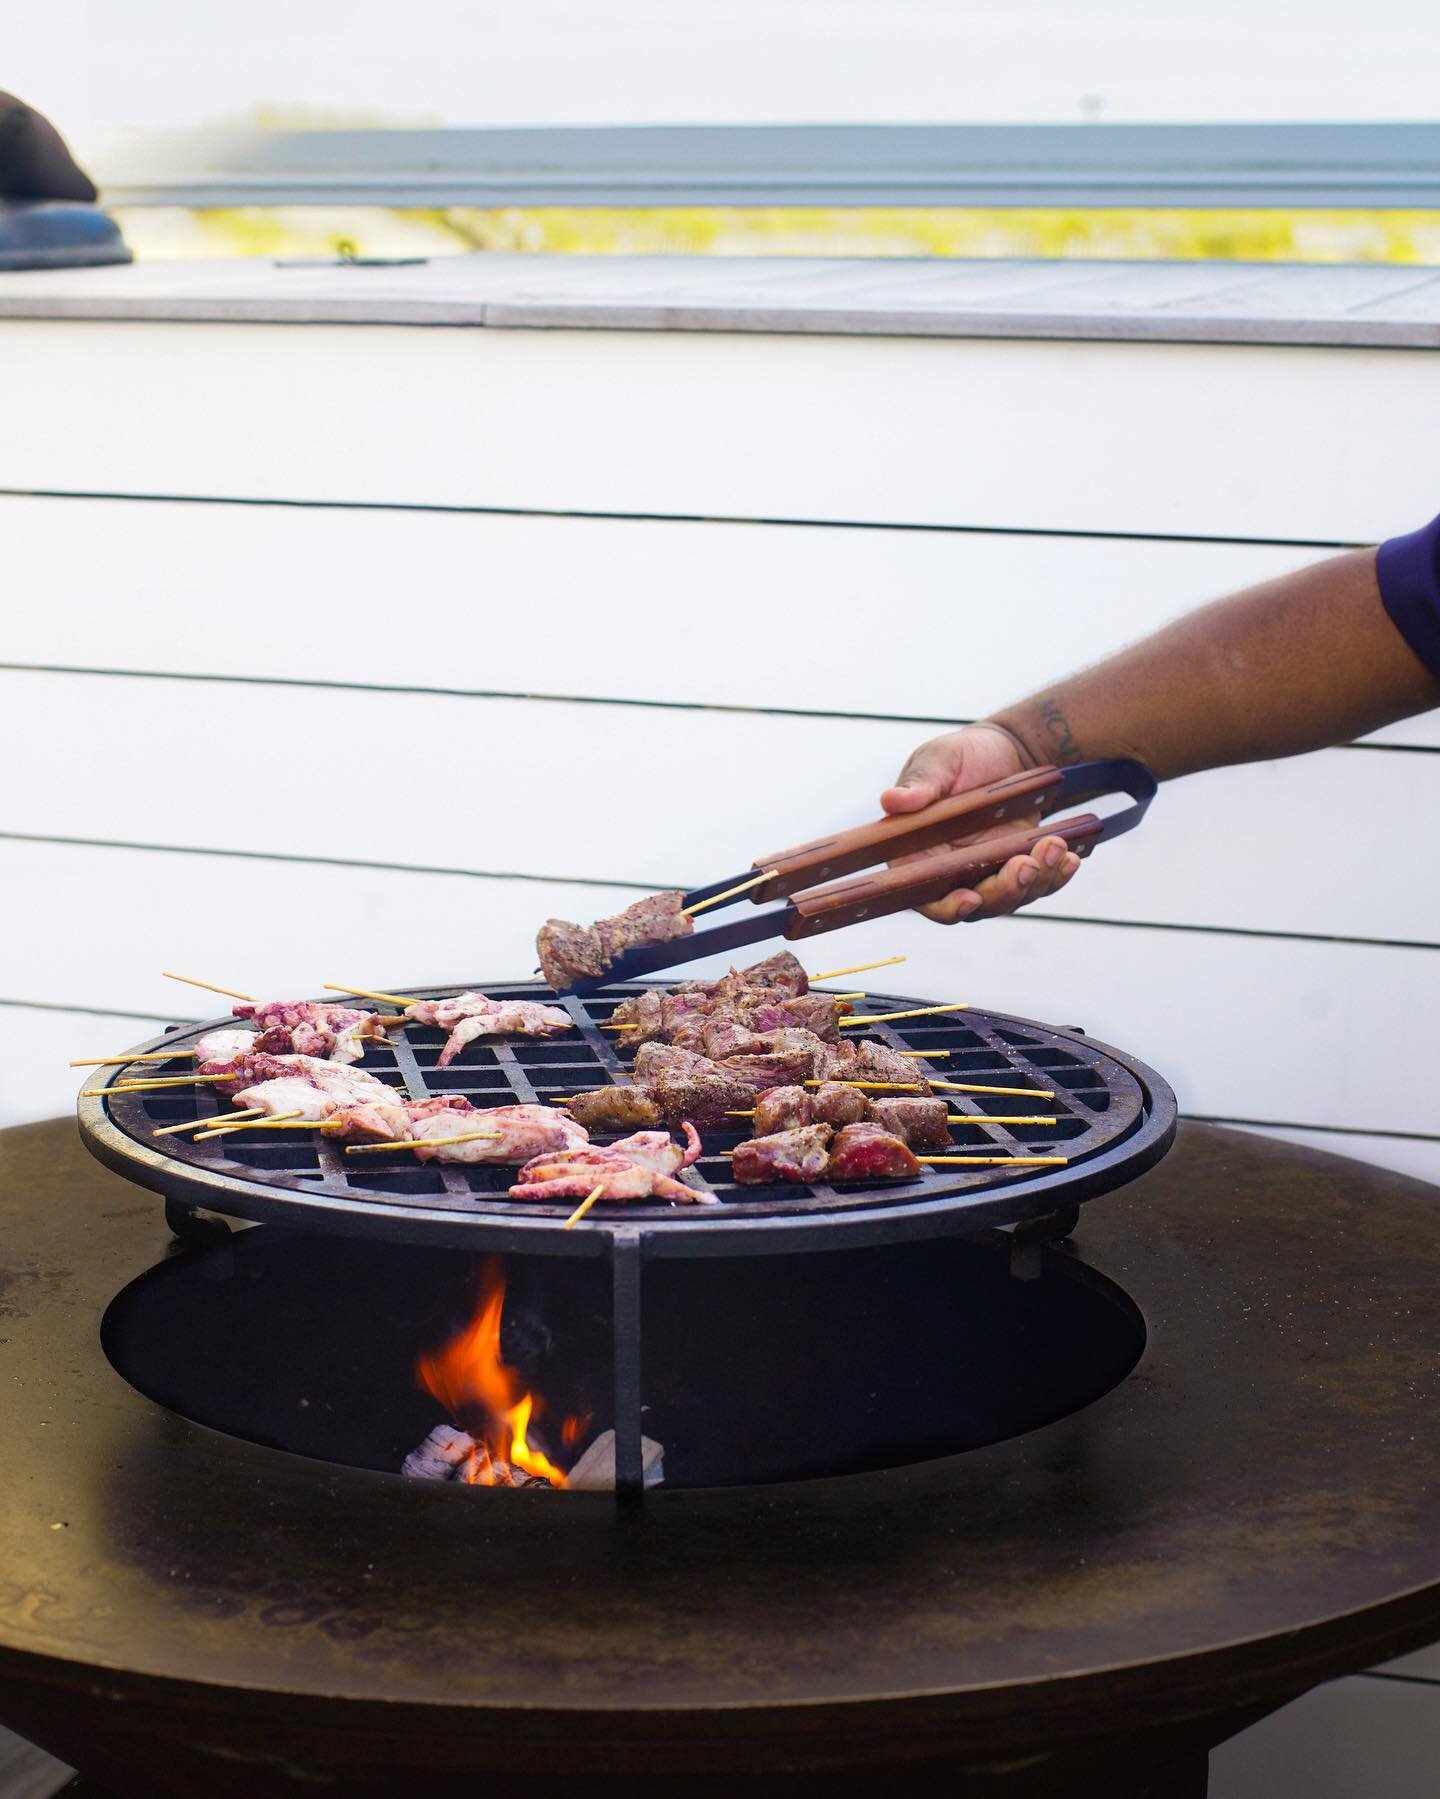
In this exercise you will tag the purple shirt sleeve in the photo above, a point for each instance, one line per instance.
(1408, 569)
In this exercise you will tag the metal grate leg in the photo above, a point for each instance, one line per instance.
(625, 1273)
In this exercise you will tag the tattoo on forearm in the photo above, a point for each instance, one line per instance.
(1063, 746)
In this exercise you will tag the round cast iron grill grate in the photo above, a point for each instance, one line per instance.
(1114, 1118)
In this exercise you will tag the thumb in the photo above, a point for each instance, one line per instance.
(927, 776)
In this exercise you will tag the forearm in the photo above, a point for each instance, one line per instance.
(1294, 664)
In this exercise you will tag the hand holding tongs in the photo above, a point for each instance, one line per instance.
(818, 900)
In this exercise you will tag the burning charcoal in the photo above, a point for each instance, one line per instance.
(922, 1123)
(868, 1152)
(785, 1109)
(837, 1105)
(796, 1155)
(440, 1455)
(595, 1471)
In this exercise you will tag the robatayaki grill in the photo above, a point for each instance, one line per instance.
(659, 931)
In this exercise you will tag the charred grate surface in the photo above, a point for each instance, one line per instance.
(1113, 1118)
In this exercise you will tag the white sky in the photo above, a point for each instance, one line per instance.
(182, 62)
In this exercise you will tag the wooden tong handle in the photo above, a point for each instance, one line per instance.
(889, 890)
(827, 858)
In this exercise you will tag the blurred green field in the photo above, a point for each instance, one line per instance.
(1130, 235)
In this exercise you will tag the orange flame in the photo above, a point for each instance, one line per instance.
(469, 1375)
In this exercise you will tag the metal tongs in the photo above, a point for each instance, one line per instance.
(806, 878)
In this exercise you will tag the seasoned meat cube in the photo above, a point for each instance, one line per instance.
(643, 1014)
(761, 1072)
(837, 1105)
(868, 1152)
(725, 1035)
(658, 918)
(786, 1109)
(656, 1059)
(568, 953)
(922, 1123)
(796, 1155)
(615, 1109)
(816, 1012)
(878, 1062)
(782, 971)
(703, 1099)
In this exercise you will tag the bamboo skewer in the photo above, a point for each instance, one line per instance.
(834, 974)
(583, 1207)
(993, 1161)
(156, 1086)
(210, 986)
(200, 1124)
(929, 1055)
(958, 1005)
(157, 1055)
(954, 1118)
(1009, 1092)
(390, 999)
(249, 1124)
(766, 874)
(367, 1149)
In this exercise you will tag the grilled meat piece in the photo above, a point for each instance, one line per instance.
(638, 1167)
(568, 953)
(922, 1123)
(616, 1109)
(783, 972)
(655, 1059)
(797, 1156)
(524, 1132)
(704, 1099)
(784, 1109)
(571, 952)
(216, 1049)
(817, 1012)
(292, 1094)
(470, 1015)
(306, 1028)
(868, 1152)
(342, 1085)
(878, 1062)
(837, 1105)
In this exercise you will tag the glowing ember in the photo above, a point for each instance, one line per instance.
(474, 1384)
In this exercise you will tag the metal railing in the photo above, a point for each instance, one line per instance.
(1291, 166)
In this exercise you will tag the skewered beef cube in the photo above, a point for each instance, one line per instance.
(922, 1123)
(568, 953)
(868, 1152)
(761, 1072)
(837, 1105)
(658, 918)
(783, 1109)
(783, 970)
(797, 1156)
(616, 1109)
(656, 1059)
(703, 1099)
(816, 1012)
(878, 1062)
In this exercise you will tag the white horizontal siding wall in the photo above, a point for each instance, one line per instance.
(597, 611)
